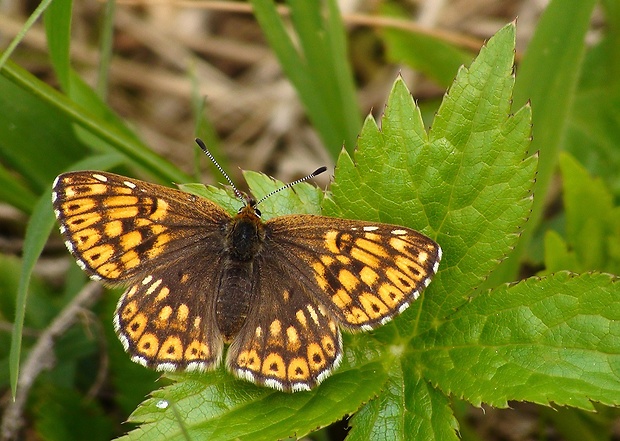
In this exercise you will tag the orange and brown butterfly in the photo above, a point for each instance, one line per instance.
(277, 291)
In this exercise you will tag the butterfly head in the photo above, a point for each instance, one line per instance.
(249, 207)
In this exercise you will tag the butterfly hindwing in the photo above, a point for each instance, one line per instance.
(166, 320)
(288, 342)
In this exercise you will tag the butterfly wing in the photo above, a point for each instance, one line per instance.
(155, 239)
(119, 229)
(166, 321)
(362, 273)
(288, 341)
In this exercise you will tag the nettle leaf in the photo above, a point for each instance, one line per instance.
(303, 198)
(216, 406)
(467, 183)
(549, 340)
(423, 413)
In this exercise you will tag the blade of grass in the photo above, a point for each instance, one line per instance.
(324, 86)
(31, 20)
(13, 192)
(139, 154)
(336, 37)
(548, 77)
(57, 21)
(105, 49)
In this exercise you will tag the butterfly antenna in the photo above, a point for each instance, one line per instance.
(317, 172)
(219, 167)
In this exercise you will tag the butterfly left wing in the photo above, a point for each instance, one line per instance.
(166, 246)
(362, 273)
(118, 228)
(288, 342)
(166, 320)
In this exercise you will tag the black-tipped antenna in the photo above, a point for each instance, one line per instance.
(317, 172)
(219, 167)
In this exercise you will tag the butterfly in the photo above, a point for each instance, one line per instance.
(277, 291)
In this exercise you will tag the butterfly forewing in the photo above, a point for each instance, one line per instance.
(119, 228)
(363, 273)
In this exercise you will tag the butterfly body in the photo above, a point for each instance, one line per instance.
(244, 236)
(278, 291)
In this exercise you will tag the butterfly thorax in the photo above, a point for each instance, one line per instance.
(245, 234)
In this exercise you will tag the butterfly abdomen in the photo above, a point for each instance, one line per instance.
(234, 297)
(244, 240)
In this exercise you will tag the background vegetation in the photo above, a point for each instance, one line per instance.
(91, 85)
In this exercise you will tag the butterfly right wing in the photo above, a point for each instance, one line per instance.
(363, 273)
(288, 341)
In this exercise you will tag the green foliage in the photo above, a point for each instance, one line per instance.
(63, 415)
(468, 183)
(592, 128)
(554, 339)
(592, 225)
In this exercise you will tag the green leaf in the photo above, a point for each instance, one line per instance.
(592, 224)
(422, 412)
(549, 340)
(557, 255)
(303, 198)
(467, 183)
(216, 406)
